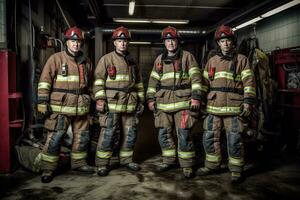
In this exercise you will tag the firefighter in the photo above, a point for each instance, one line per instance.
(173, 94)
(119, 94)
(64, 96)
(231, 94)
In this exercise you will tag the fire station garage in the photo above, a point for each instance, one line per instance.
(140, 99)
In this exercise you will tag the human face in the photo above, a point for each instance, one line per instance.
(74, 46)
(121, 45)
(225, 45)
(171, 44)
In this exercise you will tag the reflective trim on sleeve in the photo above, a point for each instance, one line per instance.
(155, 75)
(99, 82)
(139, 85)
(44, 85)
(194, 70)
(246, 73)
(250, 90)
(100, 93)
(151, 90)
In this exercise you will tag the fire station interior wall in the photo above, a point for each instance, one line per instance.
(278, 31)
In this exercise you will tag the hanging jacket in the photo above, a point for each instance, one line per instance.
(229, 82)
(118, 80)
(66, 83)
(174, 81)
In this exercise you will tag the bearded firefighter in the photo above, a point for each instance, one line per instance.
(231, 94)
(173, 94)
(64, 96)
(119, 94)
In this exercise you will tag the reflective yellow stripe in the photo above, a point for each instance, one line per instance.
(170, 75)
(70, 109)
(44, 85)
(155, 75)
(126, 153)
(194, 70)
(227, 75)
(196, 86)
(246, 73)
(169, 153)
(205, 74)
(236, 161)
(121, 108)
(100, 93)
(151, 90)
(104, 154)
(119, 77)
(250, 90)
(223, 110)
(213, 158)
(49, 158)
(139, 86)
(70, 78)
(42, 106)
(141, 94)
(186, 154)
(204, 88)
(99, 82)
(173, 106)
(78, 155)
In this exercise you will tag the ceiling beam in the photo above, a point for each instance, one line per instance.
(95, 10)
(172, 6)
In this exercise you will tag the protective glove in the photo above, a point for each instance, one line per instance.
(101, 105)
(195, 105)
(139, 109)
(246, 110)
(152, 106)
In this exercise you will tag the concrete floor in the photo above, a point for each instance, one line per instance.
(276, 179)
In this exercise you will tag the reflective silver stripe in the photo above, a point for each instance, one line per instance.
(213, 158)
(121, 108)
(49, 158)
(78, 155)
(126, 153)
(100, 93)
(223, 110)
(151, 90)
(155, 75)
(194, 70)
(99, 82)
(246, 73)
(250, 90)
(104, 154)
(119, 77)
(204, 88)
(169, 153)
(236, 161)
(186, 154)
(44, 85)
(173, 106)
(70, 78)
(70, 109)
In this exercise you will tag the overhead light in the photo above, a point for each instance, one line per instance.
(131, 7)
(268, 14)
(154, 21)
(203, 32)
(166, 21)
(252, 21)
(124, 20)
(139, 42)
(281, 8)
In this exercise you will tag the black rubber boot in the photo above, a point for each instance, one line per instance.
(47, 176)
(133, 166)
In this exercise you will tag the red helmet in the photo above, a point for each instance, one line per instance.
(73, 33)
(224, 32)
(170, 33)
(121, 33)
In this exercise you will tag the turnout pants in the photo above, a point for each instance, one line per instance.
(234, 127)
(111, 125)
(182, 121)
(57, 126)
